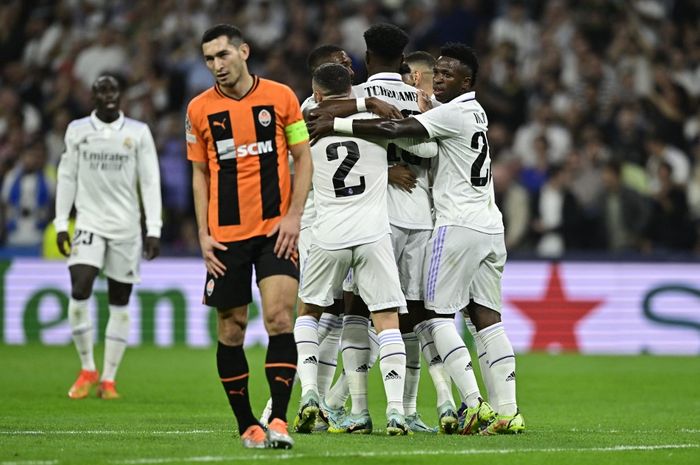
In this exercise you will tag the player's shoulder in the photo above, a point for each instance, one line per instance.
(80, 123)
(134, 124)
(268, 85)
(200, 100)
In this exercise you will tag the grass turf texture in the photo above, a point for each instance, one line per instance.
(578, 410)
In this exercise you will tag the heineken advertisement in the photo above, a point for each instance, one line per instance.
(613, 308)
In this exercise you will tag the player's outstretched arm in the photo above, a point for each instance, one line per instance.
(200, 191)
(378, 127)
(347, 107)
(66, 188)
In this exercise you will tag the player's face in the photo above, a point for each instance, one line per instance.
(106, 94)
(342, 58)
(226, 61)
(450, 79)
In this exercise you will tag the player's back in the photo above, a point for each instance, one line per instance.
(409, 210)
(350, 190)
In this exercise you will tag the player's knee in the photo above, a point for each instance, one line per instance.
(481, 316)
(231, 328)
(279, 323)
(81, 289)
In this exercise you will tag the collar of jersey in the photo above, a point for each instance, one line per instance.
(385, 77)
(256, 81)
(99, 124)
(464, 97)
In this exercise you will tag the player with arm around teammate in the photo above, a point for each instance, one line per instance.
(108, 158)
(466, 253)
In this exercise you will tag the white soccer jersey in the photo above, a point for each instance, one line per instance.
(101, 171)
(407, 210)
(463, 188)
(309, 215)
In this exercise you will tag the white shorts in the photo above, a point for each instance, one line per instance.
(306, 239)
(462, 265)
(374, 273)
(409, 250)
(120, 260)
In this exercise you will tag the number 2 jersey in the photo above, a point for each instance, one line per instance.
(463, 186)
(350, 188)
(245, 143)
(411, 210)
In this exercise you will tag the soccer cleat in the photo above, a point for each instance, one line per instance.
(396, 424)
(86, 381)
(360, 423)
(265, 416)
(505, 424)
(417, 425)
(447, 418)
(277, 435)
(108, 390)
(333, 417)
(254, 437)
(305, 420)
(473, 419)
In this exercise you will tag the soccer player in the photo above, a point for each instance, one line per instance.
(108, 158)
(351, 231)
(421, 66)
(467, 251)
(238, 135)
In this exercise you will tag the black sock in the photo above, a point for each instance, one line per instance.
(280, 368)
(233, 371)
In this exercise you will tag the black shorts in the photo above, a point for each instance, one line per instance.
(233, 288)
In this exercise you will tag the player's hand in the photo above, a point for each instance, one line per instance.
(402, 177)
(383, 109)
(320, 127)
(213, 264)
(424, 102)
(63, 243)
(151, 248)
(288, 229)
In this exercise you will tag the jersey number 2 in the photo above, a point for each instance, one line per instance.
(353, 155)
(476, 178)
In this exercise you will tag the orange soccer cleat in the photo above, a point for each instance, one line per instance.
(81, 388)
(277, 435)
(107, 390)
(254, 438)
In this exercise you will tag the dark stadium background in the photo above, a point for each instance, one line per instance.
(575, 91)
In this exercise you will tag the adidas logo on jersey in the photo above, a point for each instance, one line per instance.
(435, 360)
(362, 368)
(392, 375)
(511, 376)
(311, 359)
(468, 367)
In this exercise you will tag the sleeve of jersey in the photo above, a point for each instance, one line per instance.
(441, 121)
(149, 182)
(196, 145)
(295, 127)
(67, 182)
(419, 147)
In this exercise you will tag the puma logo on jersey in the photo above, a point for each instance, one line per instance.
(221, 123)
(286, 381)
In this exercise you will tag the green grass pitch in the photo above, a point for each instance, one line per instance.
(578, 410)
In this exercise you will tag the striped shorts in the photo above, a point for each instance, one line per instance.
(461, 265)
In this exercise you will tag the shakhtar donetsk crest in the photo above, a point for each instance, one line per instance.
(265, 118)
(210, 287)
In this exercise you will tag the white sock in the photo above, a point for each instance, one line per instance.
(355, 344)
(456, 358)
(392, 364)
(338, 394)
(328, 350)
(483, 363)
(410, 387)
(373, 346)
(502, 367)
(81, 328)
(441, 380)
(116, 340)
(306, 338)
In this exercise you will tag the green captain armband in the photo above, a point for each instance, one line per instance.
(296, 132)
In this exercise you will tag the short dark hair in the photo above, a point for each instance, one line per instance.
(120, 80)
(232, 32)
(404, 68)
(386, 40)
(420, 57)
(321, 55)
(333, 78)
(464, 54)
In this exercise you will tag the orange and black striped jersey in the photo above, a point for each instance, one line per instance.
(245, 143)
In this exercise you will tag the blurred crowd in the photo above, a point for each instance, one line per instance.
(594, 122)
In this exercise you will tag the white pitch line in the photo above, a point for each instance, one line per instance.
(105, 432)
(366, 454)
(31, 462)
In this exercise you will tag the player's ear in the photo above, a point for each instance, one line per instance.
(244, 50)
